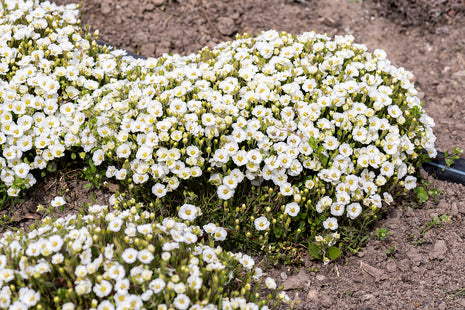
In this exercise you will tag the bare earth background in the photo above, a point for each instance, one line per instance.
(426, 37)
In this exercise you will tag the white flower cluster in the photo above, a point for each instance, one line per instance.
(41, 50)
(330, 124)
(122, 260)
(302, 112)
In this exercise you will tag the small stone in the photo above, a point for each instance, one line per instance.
(158, 2)
(235, 15)
(441, 30)
(140, 36)
(149, 7)
(414, 255)
(106, 7)
(439, 250)
(372, 271)
(446, 100)
(460, 74)
(334, 21)
(296, 281)
(226, 26)
(409, 212)
(367, 297)
(391, 266)
(326, 301)
(454, 211)
(312, 295)
(442, 306)
(148, 49)
(442, 88)
(404, 264)
(320, 277)
(163, 47)
(283, 276)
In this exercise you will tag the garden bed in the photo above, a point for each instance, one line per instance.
(420, 263)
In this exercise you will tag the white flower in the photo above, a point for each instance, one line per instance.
(209, 255)
(337, 209)
(157, 285)
(115, 224)
(116, 271)
(247, 261)
(129, 255)
(122, 285)
(292, 209)
(182, 301)
(330, 223)
(225, 192)
(261, 223)
(410, 182)
(103, 288)
(68, 306)
(57, 259)
(220, 234)
(55, 243)
(21, 170)
(123, 151)
(354, 210)
(28, 296)
(270, 283)
(188, 212)
(98, 157)
(159, 190)
(145, 256)
(58, 202)
(106, 305)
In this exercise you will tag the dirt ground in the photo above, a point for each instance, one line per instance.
(409, 269)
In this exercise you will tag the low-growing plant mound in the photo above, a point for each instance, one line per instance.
(322, 130)
(125, 259)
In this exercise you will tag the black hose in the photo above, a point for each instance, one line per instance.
(437, 167)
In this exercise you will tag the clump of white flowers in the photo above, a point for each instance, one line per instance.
(126, 259)
(333, 128)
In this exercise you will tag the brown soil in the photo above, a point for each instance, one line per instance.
(406, 270)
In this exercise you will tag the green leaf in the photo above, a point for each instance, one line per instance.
(73, 156)
(88, 185)
(313, 143)
(422, 194)
(449, 162)
(333, 252)
(324, 160)
(314, 251)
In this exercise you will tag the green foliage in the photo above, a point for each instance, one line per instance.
(285, 140)
(91, 173)
(437, 221)
(451, 158)
(455, 293)
(424, 192)
(69, 272)
(382, 233)
(391, 252)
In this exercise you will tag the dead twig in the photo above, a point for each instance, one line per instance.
(205, 14)
(167, 20)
